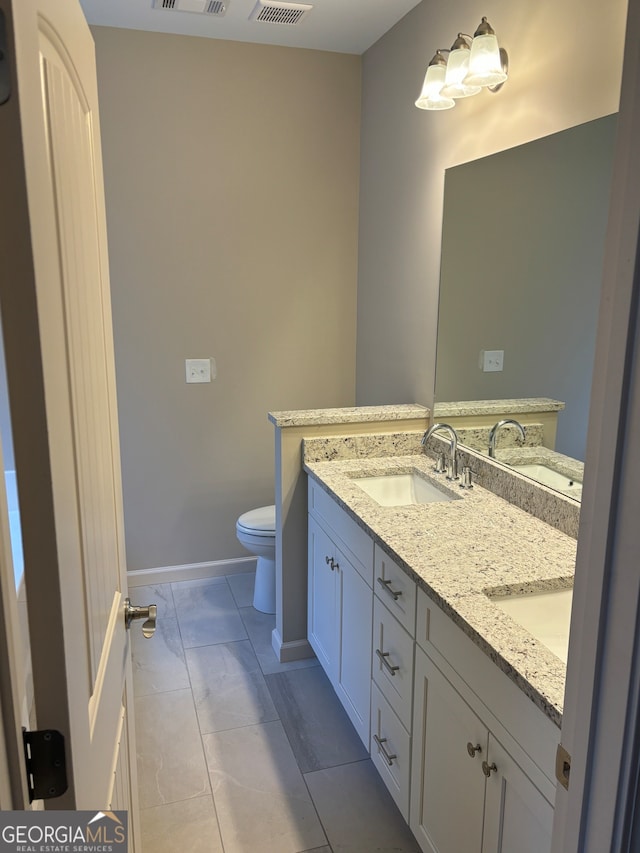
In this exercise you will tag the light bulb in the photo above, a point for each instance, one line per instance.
(457, 70)
(430, 97)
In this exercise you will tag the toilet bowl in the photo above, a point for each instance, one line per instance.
(256, 530)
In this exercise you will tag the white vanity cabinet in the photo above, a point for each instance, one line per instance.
(340, 604)
(474, 787)
(467, 756)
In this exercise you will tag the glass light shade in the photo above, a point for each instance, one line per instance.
(485, 64)
(430, 97)
(457, 70)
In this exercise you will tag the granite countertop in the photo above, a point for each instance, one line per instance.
(493, 407)
(456, 550)
(350, 415)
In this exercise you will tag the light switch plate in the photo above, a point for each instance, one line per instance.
(492, 360)
(199, 369)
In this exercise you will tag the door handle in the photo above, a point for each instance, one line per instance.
(149, 613)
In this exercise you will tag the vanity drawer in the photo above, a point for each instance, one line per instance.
(392, 662)
(326, 510)
(389, 736)
(395, 588)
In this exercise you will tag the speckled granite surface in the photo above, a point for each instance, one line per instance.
(355, 414)
(458, 549)
(490, 407)
(324, 449)
(548, 505)
(478, 437)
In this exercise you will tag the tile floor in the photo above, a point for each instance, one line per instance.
(238, 753)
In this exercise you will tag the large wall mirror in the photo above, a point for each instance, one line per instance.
(522, 256)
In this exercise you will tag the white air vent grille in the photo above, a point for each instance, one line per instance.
(200, 7)
(273, 12)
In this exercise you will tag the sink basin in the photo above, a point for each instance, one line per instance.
(402, 489)
(548, 477)
(545, 615)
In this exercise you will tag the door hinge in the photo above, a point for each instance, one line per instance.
(46, 764)
(563, 766)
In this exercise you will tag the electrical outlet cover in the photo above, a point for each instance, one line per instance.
(492, 361)
(198, 369)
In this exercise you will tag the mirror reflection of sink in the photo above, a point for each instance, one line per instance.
(402, 489)
(545, 615)
(549, 477)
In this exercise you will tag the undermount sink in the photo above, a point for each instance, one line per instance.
(402, 489)
(549, 477)
(545, 615)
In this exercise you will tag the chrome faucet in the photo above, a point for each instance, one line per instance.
(494, 433)
(452, 467)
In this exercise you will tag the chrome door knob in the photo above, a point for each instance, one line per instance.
(149, 613)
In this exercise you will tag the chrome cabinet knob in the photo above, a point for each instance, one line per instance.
(149, 613)
(471, 749)
(488, 769)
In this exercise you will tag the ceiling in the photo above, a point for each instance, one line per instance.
(345, 26)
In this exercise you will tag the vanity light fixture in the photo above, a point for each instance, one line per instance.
(474, 64)
(431, 97)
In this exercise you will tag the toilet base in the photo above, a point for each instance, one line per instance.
(264, 591)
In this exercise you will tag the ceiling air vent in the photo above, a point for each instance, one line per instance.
(274, 12)
(201, 7)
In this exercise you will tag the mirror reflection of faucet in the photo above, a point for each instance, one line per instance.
(452, 465)
(494, 433)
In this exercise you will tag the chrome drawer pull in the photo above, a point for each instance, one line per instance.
(387, 586)
(331, 562)
(383, 657)
(380, 741)
(487, 769)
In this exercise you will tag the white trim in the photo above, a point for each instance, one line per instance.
(191, 571)
(292, 650)
(601, 696)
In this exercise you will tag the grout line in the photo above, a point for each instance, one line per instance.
(222, 731)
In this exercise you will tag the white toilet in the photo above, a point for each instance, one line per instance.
(256, 530)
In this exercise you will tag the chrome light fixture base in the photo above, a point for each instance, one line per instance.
(504, 58)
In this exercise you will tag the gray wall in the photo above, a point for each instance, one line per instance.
(231, 175)
(524, 273)
(554, 83)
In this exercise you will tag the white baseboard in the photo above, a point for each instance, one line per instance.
(291, 650)
(191, 571)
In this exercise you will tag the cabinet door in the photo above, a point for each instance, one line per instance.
(356, 621)
(518, 819)
(447, 782)
(323, 625)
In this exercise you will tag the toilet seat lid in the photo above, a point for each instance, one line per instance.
(263, 519)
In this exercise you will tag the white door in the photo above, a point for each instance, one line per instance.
(56, 315)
